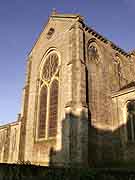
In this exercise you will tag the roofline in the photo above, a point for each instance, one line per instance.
(36, 40)
(105, 40)
(86, 28)
(72, 16)
(67, 16)
(124, 91)
(9, 124)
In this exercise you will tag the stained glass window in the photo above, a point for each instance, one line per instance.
(49, 97)
(50, 67)
(42, 112)
(53, 109)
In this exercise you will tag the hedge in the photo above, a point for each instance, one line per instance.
(32, 172)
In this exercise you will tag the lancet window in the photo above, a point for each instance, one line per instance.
(93, 54)
(48, 97)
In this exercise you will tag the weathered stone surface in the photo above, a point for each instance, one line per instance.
(96, 79)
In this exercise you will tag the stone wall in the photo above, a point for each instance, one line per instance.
(89, 129)
(36, 151)
(9, 142)
(109, 73)
(120, 100)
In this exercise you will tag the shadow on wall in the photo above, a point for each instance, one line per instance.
(85, 145)
(74, 141)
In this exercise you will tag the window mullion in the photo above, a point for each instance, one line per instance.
(47, 115)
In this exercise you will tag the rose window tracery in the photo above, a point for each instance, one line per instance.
(48, 97)
(50, 67)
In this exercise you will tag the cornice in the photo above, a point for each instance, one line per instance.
(106, 41)
(124, 91)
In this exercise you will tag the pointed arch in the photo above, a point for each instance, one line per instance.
(93, 51)
(47, 113)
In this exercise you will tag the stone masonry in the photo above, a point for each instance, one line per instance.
(96, 82)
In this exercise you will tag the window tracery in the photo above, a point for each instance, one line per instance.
(50, 67)
(48, 97)
(93, 54)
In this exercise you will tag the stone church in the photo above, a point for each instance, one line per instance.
(78, 103)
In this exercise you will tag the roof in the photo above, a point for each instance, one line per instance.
(55, 14)
(105, 40)
(125, 89)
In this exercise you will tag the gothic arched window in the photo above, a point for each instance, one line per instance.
(131, 120)
(48, 97)
(53, 109)
(42, 112)
(93, 54)
(50, 67)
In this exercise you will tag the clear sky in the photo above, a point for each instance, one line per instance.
(21, 22)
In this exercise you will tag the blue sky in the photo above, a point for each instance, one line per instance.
(21, 22)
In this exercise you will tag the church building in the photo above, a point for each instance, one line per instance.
(78, 104)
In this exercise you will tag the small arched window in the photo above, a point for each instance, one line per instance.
(131, 120)
(48, 97)
(93, 53)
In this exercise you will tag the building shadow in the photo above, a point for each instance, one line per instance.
(85, 145)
